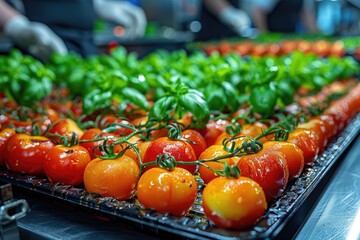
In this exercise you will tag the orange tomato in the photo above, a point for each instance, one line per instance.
(115, 178)
(167, 191)
(269, 169)
(5, 135)
(307, 142)
(211, 152)
(235, 203)
(293, 155)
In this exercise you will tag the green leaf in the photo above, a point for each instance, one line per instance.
(162, 108)
(96, 99)
(134, 96)
(196, 105)
(263, 99)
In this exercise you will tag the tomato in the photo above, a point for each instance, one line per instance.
(318, 129)
(64, 127)
(109, 119)
(288, 46)
(5, 135)
(233, 203)
(213, 129)
(329, 125)
(293, 155)
(197, 141)
(180, 150)
(66, 164)
(254, 130)
(307, 142)
(90, 134)
(167, 191)
(26, 153)
(115, 178)
(211, 152)
(321, 48)
(269, 169)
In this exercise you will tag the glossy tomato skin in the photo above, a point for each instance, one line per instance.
(307, 142)
(293, 155)
(66, 164)
(234, 203)
(318, 129)
(180, 150)
(211, 152)
(65, 127)
(268, 169)
(167, 191)
(26, 153)
(115, 178)
(213, 129)
(254, 130)
(197, 141)
(90, 134)
(5, 135)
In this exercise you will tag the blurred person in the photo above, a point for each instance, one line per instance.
(222, 19)
(59, 26)
(283, 15)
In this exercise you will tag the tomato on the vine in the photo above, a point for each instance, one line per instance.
(66, 164)
(115, 178)
(212, 152)
(213, 129)
(180, 150)
(269, 169)
(167, 191)
(25, 153)
(234, 203)
(306, 141)
(293, 155)
(64, 127)
(197, 141)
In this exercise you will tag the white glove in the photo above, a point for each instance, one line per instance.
(36, 37)
(130, 16)
(236, 19)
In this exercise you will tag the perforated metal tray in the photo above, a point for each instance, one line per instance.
(276, 220)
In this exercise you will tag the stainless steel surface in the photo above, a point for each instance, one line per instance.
(337, 214)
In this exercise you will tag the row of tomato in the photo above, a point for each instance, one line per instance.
(321, 48)
(113, 160)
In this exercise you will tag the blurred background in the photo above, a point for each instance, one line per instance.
(173, 23)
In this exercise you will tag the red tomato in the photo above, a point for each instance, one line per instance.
(318, 129)
(66, 164)
(167, 191)
(268, 169)
(293, 155)
(65, 127)
(211, 152)
(90, 134)
(254, 130)
(234, 203)
(115, 178)
(213, 129)
(5, 135)
(26, 153)
(306, 141)
(197, 141)
(180, 150)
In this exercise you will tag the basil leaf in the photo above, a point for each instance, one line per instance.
(162, 107)
(196, 105)
(96, 99)
(263, 99)
(135, 97)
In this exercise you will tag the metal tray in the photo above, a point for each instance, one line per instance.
(276, 221)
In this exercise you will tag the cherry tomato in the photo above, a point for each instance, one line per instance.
(167, 191)
(197, 141)
(115, 178)
(254, 130)
(211, 152)
(64, 127)
(5, 135)
(306, 141)
(141, 121)
(234, 203)
(293, 155)
(318, 129)
(180, 150)
(269, 169)
(213, 129)
(26, 153)
(66, 164)
(90, 134)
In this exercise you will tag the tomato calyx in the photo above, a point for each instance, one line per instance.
(166, 161)
(65, 141)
